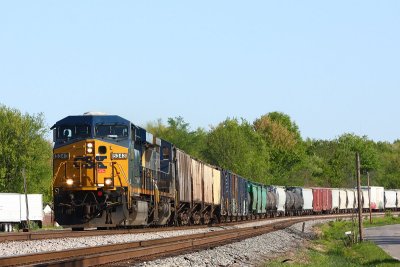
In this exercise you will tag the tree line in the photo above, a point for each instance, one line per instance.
(269, 150)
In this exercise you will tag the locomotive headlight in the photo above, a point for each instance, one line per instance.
(89, 148)
(109, 182)
(70, 181)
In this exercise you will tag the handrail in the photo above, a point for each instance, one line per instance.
(56, 174)
(122, 170)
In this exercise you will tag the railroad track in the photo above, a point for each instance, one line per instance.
(149, 249)
(93, 256)
(51, 234)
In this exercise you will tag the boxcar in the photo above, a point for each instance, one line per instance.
(343, 200)
(377, 197)
(327, 200)
(335, 200)
(322, 200)
(390, 199)
(308, 200)
(351, 200)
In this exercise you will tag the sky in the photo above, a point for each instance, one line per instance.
(332, 66)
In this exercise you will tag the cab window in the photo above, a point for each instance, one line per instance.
(67, 132)
(111, 131)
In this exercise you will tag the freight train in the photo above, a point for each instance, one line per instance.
(109, 172)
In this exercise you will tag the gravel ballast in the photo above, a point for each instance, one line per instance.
(249, 252)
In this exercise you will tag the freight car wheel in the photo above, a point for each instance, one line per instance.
(196, 218)
(207, 218)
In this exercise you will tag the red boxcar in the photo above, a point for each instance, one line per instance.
(322, 200)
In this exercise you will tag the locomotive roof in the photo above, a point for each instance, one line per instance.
(91, 119)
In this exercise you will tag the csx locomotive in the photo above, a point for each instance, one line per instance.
(109, 172)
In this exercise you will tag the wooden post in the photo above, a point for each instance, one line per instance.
(26, 201)
(369, 200)
(359, 197)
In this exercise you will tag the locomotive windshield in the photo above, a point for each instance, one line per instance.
(111, 131)
(69, 132)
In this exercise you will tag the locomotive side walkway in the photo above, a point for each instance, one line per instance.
(387, 238)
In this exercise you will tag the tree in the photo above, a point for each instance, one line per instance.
(338, 158)
(235, 146)
(178, 132)
(286, 148)
(23, 146)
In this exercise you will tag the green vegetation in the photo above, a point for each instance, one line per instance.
(332, 248)
(23, 146)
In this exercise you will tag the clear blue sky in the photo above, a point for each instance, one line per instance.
(332, 66)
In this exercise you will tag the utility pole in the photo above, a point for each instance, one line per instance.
(26, 201)
(359, 197)
(369, 200)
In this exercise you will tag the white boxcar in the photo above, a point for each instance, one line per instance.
(365, 199)
(335, 200)
(308, 199)
(10, 208)
(343, 199)
(351, 199)
(35, 205)
(390, 199)
(13, 210)
(377, 197)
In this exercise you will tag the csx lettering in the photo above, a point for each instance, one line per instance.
(85, 162)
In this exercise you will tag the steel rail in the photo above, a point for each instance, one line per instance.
(52, 234)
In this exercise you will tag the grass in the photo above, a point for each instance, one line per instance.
(332, 247)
